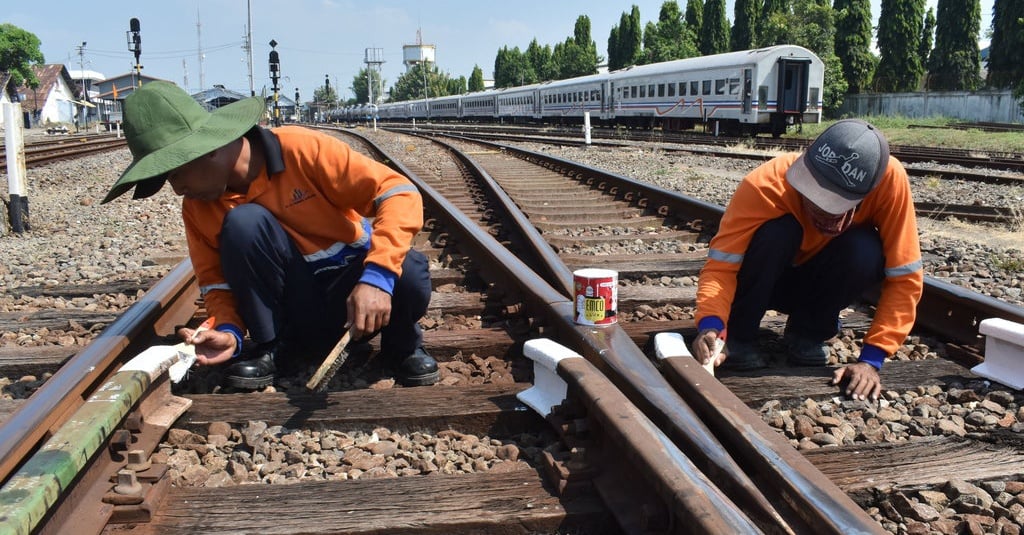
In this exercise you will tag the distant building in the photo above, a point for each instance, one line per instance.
(109, 94)
(55, 100)
(218, 96)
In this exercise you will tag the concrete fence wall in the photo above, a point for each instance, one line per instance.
(983, 106)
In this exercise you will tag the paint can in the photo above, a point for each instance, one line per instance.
(597, 296)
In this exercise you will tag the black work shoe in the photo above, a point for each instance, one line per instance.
(253, 373)
(804, 351)
(741, 356)
(418, 369)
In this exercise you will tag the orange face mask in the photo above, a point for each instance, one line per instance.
(829, 224)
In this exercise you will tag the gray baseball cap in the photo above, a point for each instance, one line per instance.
(842, 166)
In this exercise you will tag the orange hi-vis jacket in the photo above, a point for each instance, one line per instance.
(324, 195)
(765, 194)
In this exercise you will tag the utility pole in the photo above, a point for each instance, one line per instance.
(298, 110)
(199, 38)
(85, 93)
(275, 75)
(248, 47)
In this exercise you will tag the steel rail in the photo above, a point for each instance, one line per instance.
(613, 351)
(170, 302)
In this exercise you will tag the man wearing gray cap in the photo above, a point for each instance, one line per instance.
(806, 235)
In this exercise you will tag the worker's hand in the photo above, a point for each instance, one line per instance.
(703, 347)
(369, 310)
(212, 347)
(862, 381)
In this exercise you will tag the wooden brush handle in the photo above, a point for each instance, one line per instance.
(327, 369)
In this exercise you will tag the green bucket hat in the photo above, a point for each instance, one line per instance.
(166, 128)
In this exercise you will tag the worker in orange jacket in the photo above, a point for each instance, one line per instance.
(293, 236)
(806, 235)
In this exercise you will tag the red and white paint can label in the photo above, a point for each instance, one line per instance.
(597, 296)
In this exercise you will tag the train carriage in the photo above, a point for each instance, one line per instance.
(750, 91)
(518, 104)
(571, 99)
(746, 92)
(480, 105)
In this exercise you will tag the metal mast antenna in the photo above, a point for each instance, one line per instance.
(199, 38)
(248, 47)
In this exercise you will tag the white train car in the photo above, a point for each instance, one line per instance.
(746, 92)
(518, 104)
(750, 91)
(480, 105)
(572, 98)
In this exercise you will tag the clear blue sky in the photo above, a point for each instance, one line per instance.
(315, 37)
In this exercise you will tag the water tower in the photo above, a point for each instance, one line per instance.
(418, 53)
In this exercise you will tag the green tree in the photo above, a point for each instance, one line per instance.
(577, 56)
(625, 41)
(325, 98)
(425, 80)
(19, 50)
(694, 15)
(744, 25)
(670, 38)
(361, 84)
(714, 34)
(955, 64)
(1006, 51)
(770, 9)
(811, 24)
(512, 68)
(541, 62)
(899, 36)
(853, 42)
(476, 80)
(927, 34)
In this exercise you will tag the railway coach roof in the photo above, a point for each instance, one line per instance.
(729, 59)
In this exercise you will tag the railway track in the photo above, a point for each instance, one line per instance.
(688, 468)
(43, 152)
(972, 163)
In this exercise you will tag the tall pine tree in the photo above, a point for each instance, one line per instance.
(1006, 51)
(927, 37)
(744, 25)
(695, 15)
(955, 64)
(714, 35)
(899, 37)
(853, 42)
(625, 41)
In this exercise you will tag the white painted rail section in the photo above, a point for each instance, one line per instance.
(1004, 352)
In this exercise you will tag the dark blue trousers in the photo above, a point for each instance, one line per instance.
(813, 293)
(280, 298)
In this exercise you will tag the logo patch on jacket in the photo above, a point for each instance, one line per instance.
(299, 195)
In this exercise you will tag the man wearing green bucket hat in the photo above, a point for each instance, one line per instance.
(293, 236)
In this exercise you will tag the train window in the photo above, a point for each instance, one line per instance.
(694, 88)
(762, 97)
(671, 90)
(813, 99)
(720, 87)
(734, 86)
(633, 91)
(650, 90)
(643, 91)
(705, 87)
(682, 89)
(661, 90)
